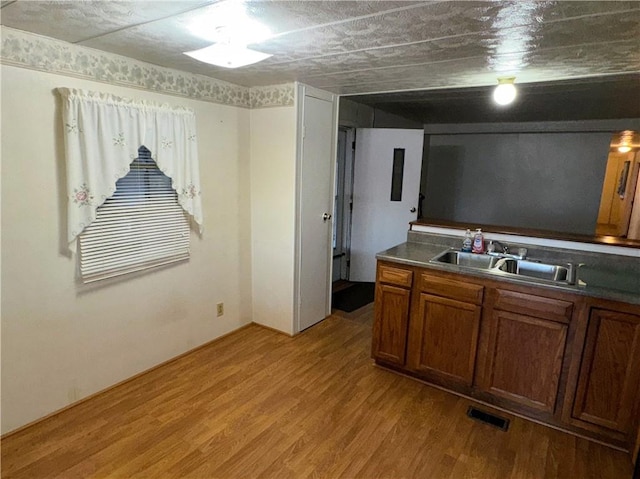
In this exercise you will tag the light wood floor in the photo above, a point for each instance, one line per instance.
(258, 404)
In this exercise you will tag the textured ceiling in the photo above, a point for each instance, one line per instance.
(362, 47)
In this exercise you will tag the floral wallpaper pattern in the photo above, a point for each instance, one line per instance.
(272, 95)
(54, 56)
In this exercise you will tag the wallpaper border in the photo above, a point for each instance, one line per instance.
(37, 52)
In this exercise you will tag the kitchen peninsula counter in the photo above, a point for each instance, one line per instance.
(566, 355)
(600, 275)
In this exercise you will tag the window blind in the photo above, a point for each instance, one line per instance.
(140, 226)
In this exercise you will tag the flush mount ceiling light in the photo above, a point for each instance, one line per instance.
(228, 25)
(506, 91)
(227, 55)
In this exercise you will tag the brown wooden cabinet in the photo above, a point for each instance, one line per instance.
(443, 335)
(558, 357)
(525, 360)
(527, 335)
(392, 304)
(608, 387)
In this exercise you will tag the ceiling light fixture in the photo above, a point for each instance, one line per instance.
(626, 141)
(506, 91)
(227, 55)
(228, 25)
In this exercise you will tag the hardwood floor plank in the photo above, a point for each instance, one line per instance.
(258, 404)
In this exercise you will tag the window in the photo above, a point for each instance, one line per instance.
(150, 202)
(140, 226)
(397, 174)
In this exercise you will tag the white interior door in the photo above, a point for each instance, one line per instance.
(378, 222)
(317, 150)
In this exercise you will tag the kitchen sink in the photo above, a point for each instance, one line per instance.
(533, 269)
(467, 260)
(506, 266)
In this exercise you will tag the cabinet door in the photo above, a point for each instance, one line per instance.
(390, 323)
(607, 389)
(525, 359)
(444, 339)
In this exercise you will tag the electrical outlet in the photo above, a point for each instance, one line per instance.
(220, 309)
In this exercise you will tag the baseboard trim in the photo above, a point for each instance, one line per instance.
(274, 330)
(135, 376)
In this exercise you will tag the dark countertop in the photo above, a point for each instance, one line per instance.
(593, 279)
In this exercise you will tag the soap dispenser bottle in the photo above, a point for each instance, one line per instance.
(467, 243)
(478, 242)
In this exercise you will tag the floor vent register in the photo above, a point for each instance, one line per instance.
(488, 418)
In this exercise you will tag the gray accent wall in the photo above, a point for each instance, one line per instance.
(550, 181)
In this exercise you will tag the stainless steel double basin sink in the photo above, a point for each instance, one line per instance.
(504, 265)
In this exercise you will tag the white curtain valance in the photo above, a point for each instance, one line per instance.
(102, 135)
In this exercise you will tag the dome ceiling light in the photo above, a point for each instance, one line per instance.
(505, 92)
(228, 55)
(228, 25)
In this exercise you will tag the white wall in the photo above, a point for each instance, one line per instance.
(62, 341)
(273, 180)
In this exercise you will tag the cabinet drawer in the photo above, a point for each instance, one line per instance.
(396, 276)
(536, 306)
(450, 288)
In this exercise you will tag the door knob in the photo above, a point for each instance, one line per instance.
(326, 217)
(413, 210)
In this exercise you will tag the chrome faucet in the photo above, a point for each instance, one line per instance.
(505, 248)
(491, 249)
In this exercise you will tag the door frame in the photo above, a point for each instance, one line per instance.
(301, 92)
(610, 193)
(344, 198)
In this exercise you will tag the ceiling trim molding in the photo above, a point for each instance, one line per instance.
(36, 52)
